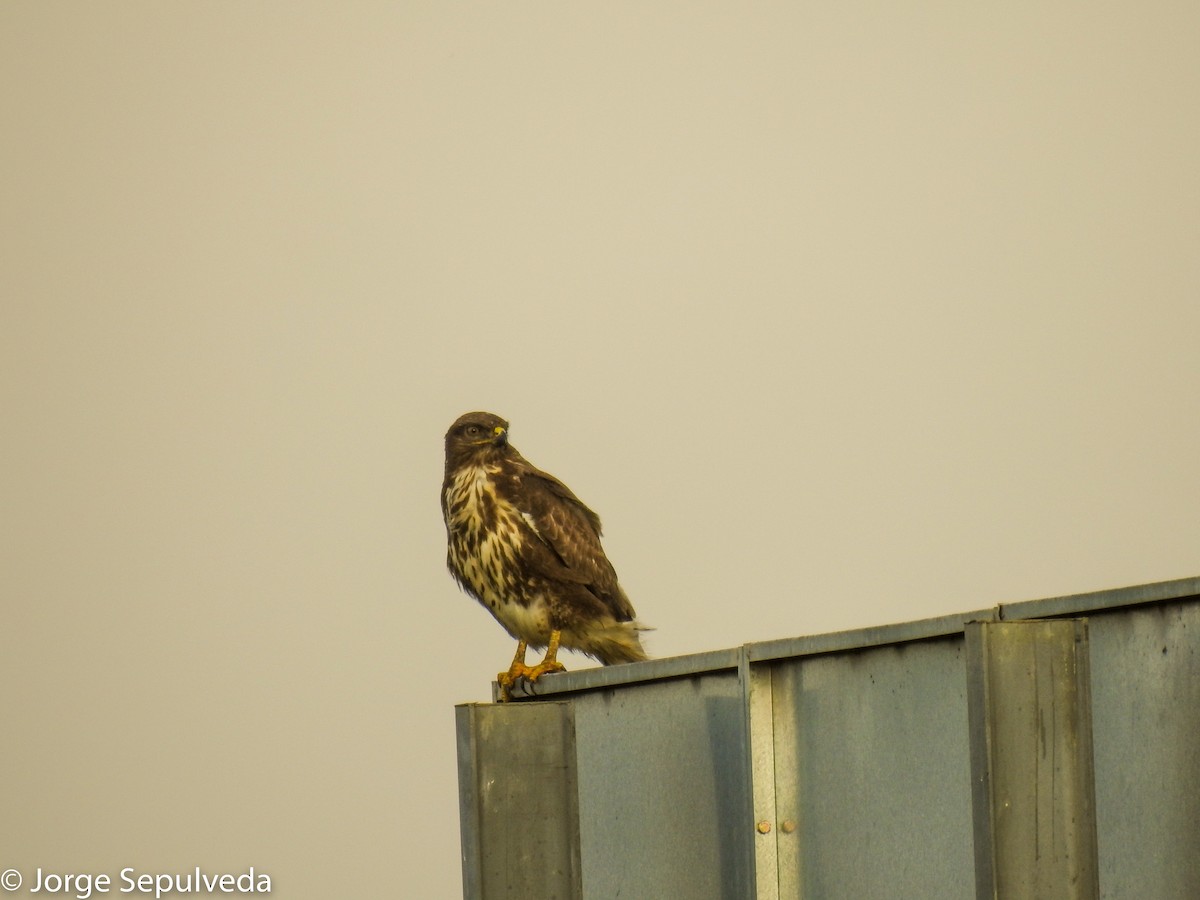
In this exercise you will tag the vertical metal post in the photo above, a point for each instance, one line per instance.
(760, 732)
(518, 801)
(790, 821)
(774, 779)
(1033, 793)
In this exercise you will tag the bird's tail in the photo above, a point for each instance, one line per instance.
(618, 642)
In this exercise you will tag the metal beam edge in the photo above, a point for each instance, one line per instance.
(875, 636)
(843, 641)
(1098, 601)
(629, 673)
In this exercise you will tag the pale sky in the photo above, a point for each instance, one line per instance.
(838, 314)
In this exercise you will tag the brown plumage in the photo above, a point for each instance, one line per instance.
(522, 544)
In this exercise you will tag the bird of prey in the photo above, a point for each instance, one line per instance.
(522, 544)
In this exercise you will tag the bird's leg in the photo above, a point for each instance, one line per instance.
(550, 661)
(507, 679)
(519, 669)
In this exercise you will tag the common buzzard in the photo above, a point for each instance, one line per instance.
(522, 544)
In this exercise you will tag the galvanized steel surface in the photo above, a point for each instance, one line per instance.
(518, 801)
(1146, 727)
(1034, 801)
(663, 790)
(872, 766)
(838, 765)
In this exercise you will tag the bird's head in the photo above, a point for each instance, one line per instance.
(475, 434)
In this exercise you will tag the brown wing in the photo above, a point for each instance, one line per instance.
(568, 546)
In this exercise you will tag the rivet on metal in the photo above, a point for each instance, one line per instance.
(788, 826)
(764, 827)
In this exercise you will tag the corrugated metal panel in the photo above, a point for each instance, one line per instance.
(1029, 698)
(663, 790)
(872, 766)
(839, 765)
(1146, 728)
(518, 801)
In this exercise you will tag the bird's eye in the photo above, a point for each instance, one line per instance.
(472, 430)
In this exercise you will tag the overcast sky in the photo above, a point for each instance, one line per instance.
(838, 314)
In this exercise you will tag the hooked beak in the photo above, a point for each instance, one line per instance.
(500, 435)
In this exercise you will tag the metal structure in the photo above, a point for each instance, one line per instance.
(1048, 749)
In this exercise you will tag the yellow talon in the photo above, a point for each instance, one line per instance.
(518, 669)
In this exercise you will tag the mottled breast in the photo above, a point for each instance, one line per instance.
(485, 537)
